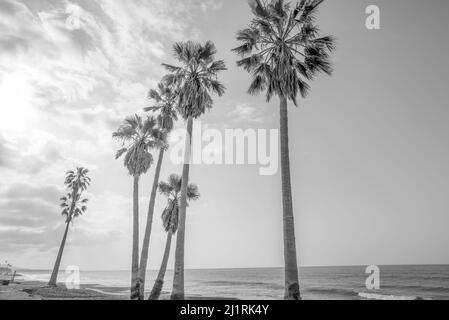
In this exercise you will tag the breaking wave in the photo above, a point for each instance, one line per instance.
(376, 296)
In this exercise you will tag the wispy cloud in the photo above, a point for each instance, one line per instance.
(246, 112)
(69, 72)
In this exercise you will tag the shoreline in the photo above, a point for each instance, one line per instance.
(418, 284)
(34, 290)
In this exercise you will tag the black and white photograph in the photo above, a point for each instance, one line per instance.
(224, 150)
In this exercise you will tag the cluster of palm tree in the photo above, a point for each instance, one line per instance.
(185, 92)
(170, 217)
(282, 50)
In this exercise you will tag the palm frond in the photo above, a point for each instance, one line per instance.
(193, 193)
(282, 49)
(277, 7)
(143, 135)
(207, 51)
(175, 182)
(257, 85)
(217, 66)
(244, 49)
(258, 8)
(165, 188)
(165, 97)
(120, 153)
(250, 63)
(76, 182)
(196, 79)
(171, 68)
(153, 94)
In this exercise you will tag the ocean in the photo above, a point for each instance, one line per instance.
(317, 283)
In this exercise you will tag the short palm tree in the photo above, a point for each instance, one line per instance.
(195, 79)
(73, 206)
(165, 107)
(139, 137)
(170, 216)
(282, 50)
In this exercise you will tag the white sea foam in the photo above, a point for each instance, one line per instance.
(121, 293)
(41, 277)
(376, 296)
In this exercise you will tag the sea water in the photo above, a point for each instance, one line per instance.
(317, 283)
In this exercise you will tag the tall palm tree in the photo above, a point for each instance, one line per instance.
(73, 206)
(282, 50)
(170, 216)
(195, 79)
(165, 107)
(138, 136)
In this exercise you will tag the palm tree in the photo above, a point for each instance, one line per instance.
(171, 190)
(282, 49)
(165, 98)
(138, 137)
(195, 80)
(72, 206)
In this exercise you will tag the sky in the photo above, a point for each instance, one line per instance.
(369, 146)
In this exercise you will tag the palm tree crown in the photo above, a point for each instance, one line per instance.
(172, 190)
(138, 137)
(72, 204)
(196, 78)
(282, 48)
(165, 97)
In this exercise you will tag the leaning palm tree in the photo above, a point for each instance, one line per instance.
(73, 206)
(170, 216)
(282, 50)
(138, 136)
(195, 79)
(165, 107)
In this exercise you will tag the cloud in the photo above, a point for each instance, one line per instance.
(5, 153)
(29, 206)
(246, 112)
(210, 5)
(70, 71)
(20, 240)
(30, 218)
(48, 194)
(68, 51)
(23, 155)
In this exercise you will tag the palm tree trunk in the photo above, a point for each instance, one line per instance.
(54, 274)
(135, 252)
(178, 279)
(291, 266)
(157, 288)
(146, 240)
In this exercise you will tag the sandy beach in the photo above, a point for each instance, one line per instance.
(318, 283)
(39, 291)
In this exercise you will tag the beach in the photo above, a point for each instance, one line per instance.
(39, 291)
(317, 283)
